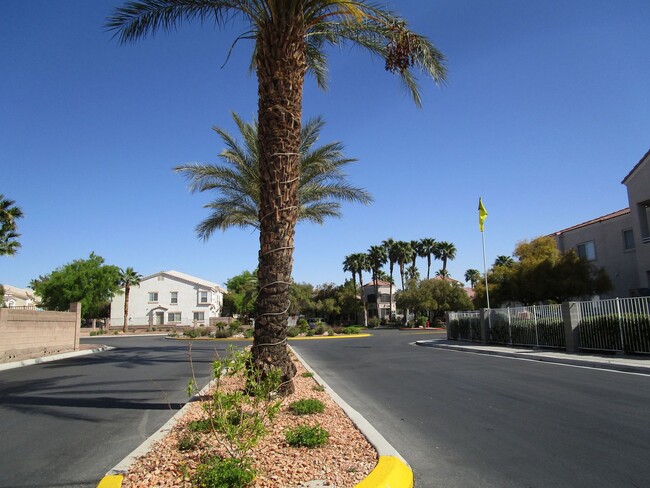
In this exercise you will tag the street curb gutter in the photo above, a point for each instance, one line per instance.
(613, 366)
(53, 357)
(392, 470)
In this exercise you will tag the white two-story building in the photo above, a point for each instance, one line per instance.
(169, 298)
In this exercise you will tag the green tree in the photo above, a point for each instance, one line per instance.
(438, 295)
(442, 273)
(541, 274)
(322, 182)
(301, 299)
(242, 290)
(88, 281)
(377, 257)
(128, 278)
(473, 276)
(428, 249)
(290, 37)
(9, 213)
(446, 251)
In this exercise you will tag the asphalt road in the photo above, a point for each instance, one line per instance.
(469, 420)
(66, 423)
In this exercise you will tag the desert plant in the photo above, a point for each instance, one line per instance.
(224, 473)
(307, 406)
(187, 442)
(374, 322)
(293, 332)
(307, 436)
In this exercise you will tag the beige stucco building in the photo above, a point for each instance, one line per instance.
(378, 308)
(619, 242)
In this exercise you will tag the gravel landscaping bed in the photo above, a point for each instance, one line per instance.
(344, 461)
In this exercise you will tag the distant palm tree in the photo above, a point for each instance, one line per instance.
(446, 251)
(391, 252)
(473, 276)
(322, 183)
(357, 263)
(505, 261)
(442, 273)
(377, 257)
(128, 278)
(290, 40)
(9, 213)
(428, 248)
(404, 253)
(416, 246)
(349, 266)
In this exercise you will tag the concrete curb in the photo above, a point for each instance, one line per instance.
(392, 470)
(590, 362)
(53, 357)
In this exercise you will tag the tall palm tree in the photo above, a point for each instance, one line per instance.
(9, 213)
(447, 251)
(322, 182)
(349, 266)
(428, 249)
(473, 276)
(377, 257)
(290, 37)
(442, 273)
(391, 252)
(505, 261)
(417, 251)
(359, 263)
(404, 253)
(128, 278)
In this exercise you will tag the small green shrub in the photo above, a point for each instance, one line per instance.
(249, 333)
(172, 334)
(203, 425)
(116, 333)
(223, 333)
(374, 322)
(307, 406)
(307, 374)
(421, 321)
(293, 331)
(224, 473)
(235, 326)
(192, 333)
(351, 330)
(187, 442)
(310, 333)
(318, 388)
(307, 436)
(319, 329)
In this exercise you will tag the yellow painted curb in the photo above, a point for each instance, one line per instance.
(390, 472)
(343, 336)
(111, 481)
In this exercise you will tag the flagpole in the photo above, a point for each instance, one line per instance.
(487, 292)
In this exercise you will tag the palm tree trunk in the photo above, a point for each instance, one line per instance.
(127, 290)
(363, 302)
(428, 265)
(390, 312)
(281, 67)
(376, 294)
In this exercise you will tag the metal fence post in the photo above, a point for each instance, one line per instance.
(509, 327)
(571, 319)
(536, 333)
(485, 325)
(620, 323)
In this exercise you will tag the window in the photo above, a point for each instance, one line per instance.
(174, 317)
(174, 298)
(371, 298)
(385, 298)
(153, 296)
(203, 297)
(628, 240)
(198, 316)
(587, 251)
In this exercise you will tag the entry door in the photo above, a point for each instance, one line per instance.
(160, 318)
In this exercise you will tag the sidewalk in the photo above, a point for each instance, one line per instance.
(615, 362)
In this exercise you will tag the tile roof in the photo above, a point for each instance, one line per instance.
(186, 277)
(609, 216)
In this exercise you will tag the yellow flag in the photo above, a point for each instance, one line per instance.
(482, 214)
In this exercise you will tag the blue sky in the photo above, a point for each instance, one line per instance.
(544, 113)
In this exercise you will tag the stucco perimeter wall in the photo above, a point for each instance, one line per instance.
(26, 334)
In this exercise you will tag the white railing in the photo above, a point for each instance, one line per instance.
(619, 324)
(537, 325)
(465, 326)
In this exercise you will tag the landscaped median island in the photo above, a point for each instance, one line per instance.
(226, 425)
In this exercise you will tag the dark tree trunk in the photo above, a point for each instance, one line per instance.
(281, 67)
(127, 290)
